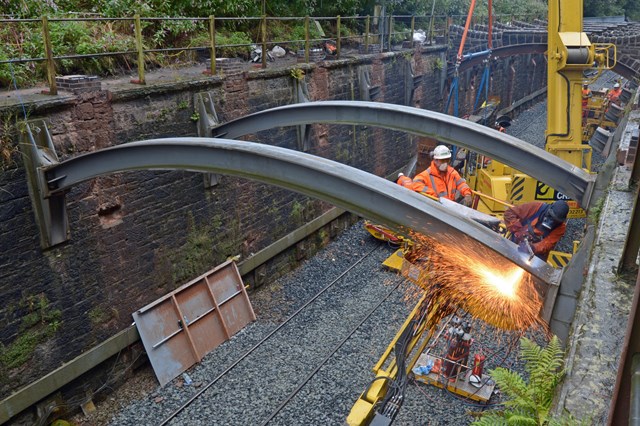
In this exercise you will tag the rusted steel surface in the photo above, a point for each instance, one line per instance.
(179, 329)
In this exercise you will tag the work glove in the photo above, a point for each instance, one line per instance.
(467, 200)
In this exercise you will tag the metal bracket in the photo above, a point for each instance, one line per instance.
(301, 95)
(207, 120)
(50, 211)
(367, 91)
(411, 83)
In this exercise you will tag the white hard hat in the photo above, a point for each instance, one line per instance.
(615, 86)
(441, 152)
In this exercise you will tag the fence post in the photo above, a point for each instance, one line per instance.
(366, 35)
(51, 65)
(306, 39)
(632, 244)
(140, 49)
(413, 28)
(212, 41)
(338, 39)
(390, 31)
(264, 41)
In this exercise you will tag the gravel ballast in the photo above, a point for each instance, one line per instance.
(258, 385)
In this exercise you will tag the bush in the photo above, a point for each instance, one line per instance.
(225, 44)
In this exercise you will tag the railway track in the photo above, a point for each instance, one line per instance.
(309, 354)
(309, 312)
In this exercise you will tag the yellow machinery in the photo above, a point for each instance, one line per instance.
(595, 115)
(384, 396)
(569, 54)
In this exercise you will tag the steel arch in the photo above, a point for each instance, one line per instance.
(555, 172)
(360, 192)
(527, 48)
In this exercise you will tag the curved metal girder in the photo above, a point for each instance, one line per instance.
(528, 48)
(503, 52)
(360, 192)
(555, 172)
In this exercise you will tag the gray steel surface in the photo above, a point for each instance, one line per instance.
(553, 171)
(360, 192)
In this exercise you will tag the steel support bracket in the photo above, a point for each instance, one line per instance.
(207, 120)
(367, 91)
(301, 95)
(411, 83)
(50, 211)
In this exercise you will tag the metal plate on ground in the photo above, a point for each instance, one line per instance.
(180, 328)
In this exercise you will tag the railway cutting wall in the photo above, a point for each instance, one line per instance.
(136, 236)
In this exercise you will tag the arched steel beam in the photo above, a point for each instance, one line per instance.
(360, 192)
(555, 172)
(528, 48)
(502, 52)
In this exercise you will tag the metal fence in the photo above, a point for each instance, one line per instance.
(363, 31)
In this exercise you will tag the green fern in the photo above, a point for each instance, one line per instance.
(529, 403)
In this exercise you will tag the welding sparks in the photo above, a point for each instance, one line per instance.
(481, 283)
(505, 282)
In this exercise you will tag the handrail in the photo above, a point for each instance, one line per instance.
(365, 35)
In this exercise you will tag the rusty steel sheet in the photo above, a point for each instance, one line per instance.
(180, 328)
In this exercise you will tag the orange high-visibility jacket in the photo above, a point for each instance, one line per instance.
(586, 94)
(521, 221)
(433, 182)
(614, 95)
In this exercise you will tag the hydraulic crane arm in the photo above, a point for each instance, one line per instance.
(569, 54)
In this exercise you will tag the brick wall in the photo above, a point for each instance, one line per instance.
(136, 236)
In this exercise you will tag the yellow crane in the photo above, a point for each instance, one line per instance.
(569, 54)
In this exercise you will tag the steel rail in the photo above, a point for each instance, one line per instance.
(355, 190)
(267, 337)
(327, 357)
(544, 166)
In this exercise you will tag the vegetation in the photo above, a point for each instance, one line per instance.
(197, 255)
(629, 8)
(530, 403)
(25, 39)
(40, 323)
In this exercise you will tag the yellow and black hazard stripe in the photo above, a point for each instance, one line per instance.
(517, 188)
(558, 259)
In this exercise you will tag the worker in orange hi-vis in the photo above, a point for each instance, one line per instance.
(439, 179)
(586, 94)
(614, 94)
(541, 224)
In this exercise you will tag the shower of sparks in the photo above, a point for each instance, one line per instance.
(477, 281)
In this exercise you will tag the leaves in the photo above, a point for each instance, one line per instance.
(530, 403)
